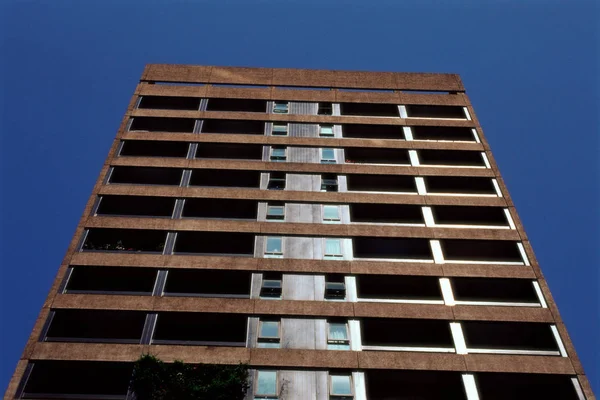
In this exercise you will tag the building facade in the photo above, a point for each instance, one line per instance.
(346, 234)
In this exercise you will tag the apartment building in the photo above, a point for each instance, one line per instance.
(346, 234)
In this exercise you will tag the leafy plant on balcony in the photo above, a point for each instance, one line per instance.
(155, 380)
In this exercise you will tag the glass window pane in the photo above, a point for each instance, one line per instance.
(269, 345)
(338, 331)
(328, 154)
(275, 211)
(327, 130)
(271, 283)
(274, 245)
(331, 212)
(278, 152)
(333, 247)
(269, 329)
(340, 385)
(279, 128)
(267, 383)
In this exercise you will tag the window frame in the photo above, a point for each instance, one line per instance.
(266, 339)
(273, 254)
(325, 102)
(338, 342)
(336, 396)
(330, 281)
(266, 278)
(278, 158)
(339, 256)
(275, 217)
(321, 134)
(265, 396)
(282, 133)
(326, 160)
(281, 103)
(273, 179)
(336, 220)
(324, 185)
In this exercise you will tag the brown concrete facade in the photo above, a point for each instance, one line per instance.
(450, 93)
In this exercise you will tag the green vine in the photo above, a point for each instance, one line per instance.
(156, 380)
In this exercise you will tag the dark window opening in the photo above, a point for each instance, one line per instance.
(397, 287)
(329, 183)
(276, 181)
(78, 379)
(215, 243)
(335, 287)
(406, 333)
(372, 131)
(204, 329)
(325, 109)
(154, 148)
(121, 280)
(146, 176)
(465, 215)
(386, 213)
(96, 326)
(229, 151)
(170, 103)
(366, 155)
(271, 286)
(233, 126)
(450, 133)
(451, 157)
(220, 208)
(381, 247)
(163, 124)
(237, 105)
(225, 178)
(208, 283)
(143, 206)
(414, 385)
(129, 240)
(381, 183)
(481, 250)
(369, 109)
(509, 336)
(459, 184)
(428, 111)
(494, 290)
(502, 386)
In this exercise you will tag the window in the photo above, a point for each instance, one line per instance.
(337, 336)
(279, 129)
(335, 287)
(275, 212)
(281, 107)
(266, 385)
(331, 214)
(340, 387)
(271, 285)
(274, 247)
(333, 249)
(276, 181)
(328, 156)
(329, 183)
(326, 131)
(268, 334)
(325, 109)
(278, 153)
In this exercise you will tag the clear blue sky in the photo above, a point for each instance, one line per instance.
(69, 68)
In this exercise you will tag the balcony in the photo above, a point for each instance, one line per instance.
(435, 112)
(399, 289)
(367, 155)
(233, 126)
(369, 110)
(469, 216)
(502, 386)
(208, 283)
(481, 251)
(237, 105)
(125, 240)
(451, 158)
(443, 133)
(221, 209)
(136, 206)
(146, 176)
(386, 214)
(496, 291)
(460, 185)
(154, 148)
(360, 131)
(383, 334)
(421, 385)
(170, 103)
(200, 329)
(111, 280)
(230, 151)
(163, 124)
(398, 249)
(215, 243)
(381, 183)
(225, 178)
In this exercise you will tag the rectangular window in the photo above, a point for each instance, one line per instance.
(326, 130)
(337, 336)
(325, 109)
(268, 334)
(266, 385)
(275, 212)
(333, 249)
(329, 183)
(271, 285)
(340, 387)
(281, 107)
(331, 214)
(274, 247)
(335, 287)
(328, 156)
(279, 129)
(278, 153)
(276, 181)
